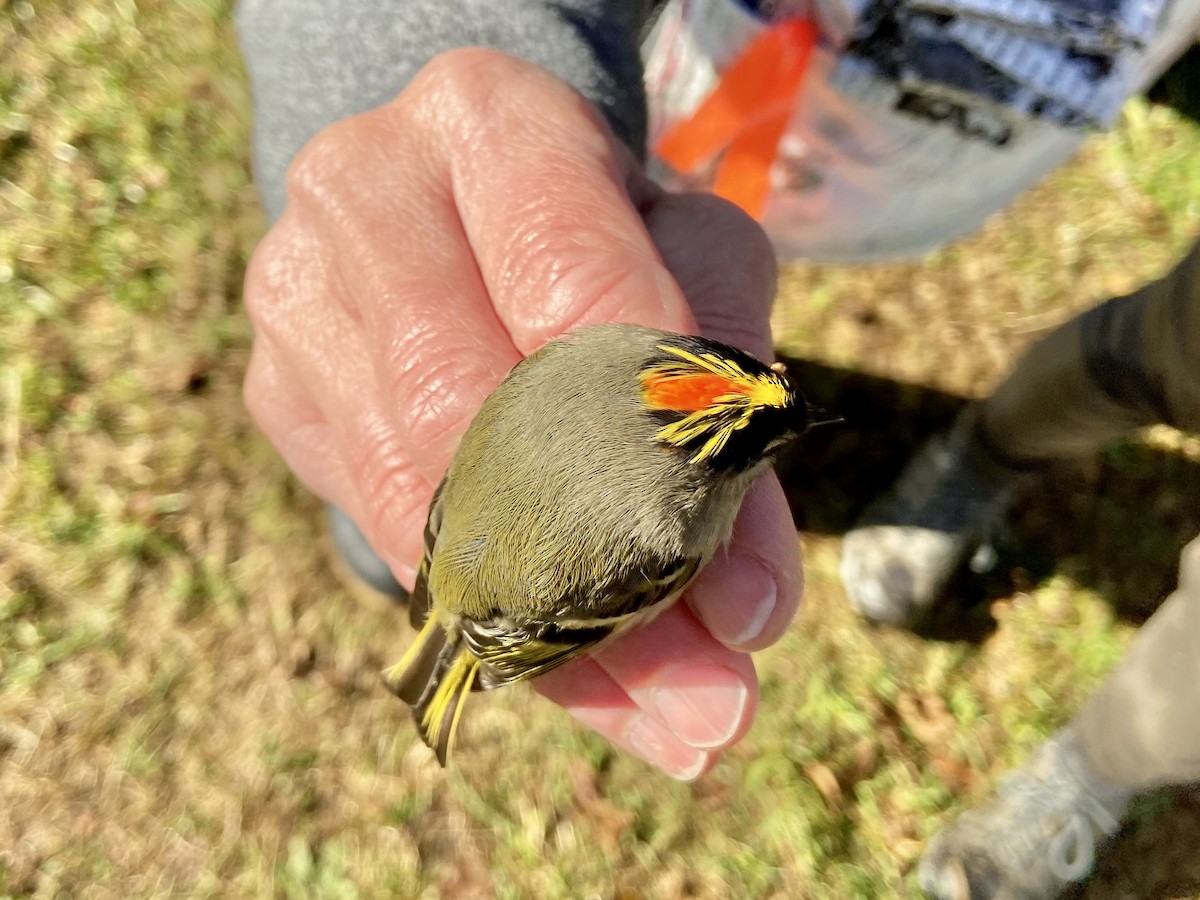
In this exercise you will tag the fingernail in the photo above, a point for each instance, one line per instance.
(734, 598)
(701, 705)
(655, 744)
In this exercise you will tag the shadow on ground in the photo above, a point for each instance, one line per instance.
(1179, 86)
(1157, 855)
(1113, 525)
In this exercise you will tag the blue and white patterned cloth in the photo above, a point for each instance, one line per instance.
(918, 118)
(987, 64)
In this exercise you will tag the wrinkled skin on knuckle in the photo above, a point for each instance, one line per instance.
(456, 92)
(320, 167)
(576, 286)
(561, 269)
(294, 427)
(435, 390)
(359, 177)
(477, 97)
(367, 156)
(392, 494)
(287, 274)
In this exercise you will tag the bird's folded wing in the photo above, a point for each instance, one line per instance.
(419, 600)
(513, 649)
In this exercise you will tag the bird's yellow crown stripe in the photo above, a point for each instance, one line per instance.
(726, 412)
(757, 390)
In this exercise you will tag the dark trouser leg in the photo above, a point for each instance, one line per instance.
(1129, 362)
(1132, 361)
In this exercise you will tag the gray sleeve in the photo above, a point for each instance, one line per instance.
(313, 62)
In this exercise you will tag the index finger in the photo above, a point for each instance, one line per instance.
(570, 248)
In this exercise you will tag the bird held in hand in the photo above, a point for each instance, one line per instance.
(592, 485)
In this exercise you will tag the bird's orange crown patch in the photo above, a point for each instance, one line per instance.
(687, 391)
(716, 394)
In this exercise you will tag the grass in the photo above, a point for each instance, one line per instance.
(189, 703)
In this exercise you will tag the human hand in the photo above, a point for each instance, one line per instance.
(426, 247)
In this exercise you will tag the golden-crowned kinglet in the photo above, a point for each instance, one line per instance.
(592, 485)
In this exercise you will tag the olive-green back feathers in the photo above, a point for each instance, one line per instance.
(592, 485)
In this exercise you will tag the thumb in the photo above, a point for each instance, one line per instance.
(726, 268)
(722, 262)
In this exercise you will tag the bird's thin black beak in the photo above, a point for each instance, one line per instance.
(818, 416)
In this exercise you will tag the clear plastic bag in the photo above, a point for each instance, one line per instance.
(854, 179)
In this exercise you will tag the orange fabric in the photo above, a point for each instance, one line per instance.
(744, 174)
(745, 115)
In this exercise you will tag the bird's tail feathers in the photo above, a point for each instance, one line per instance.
(434, 677)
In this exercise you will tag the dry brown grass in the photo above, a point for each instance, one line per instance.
(189, 702)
